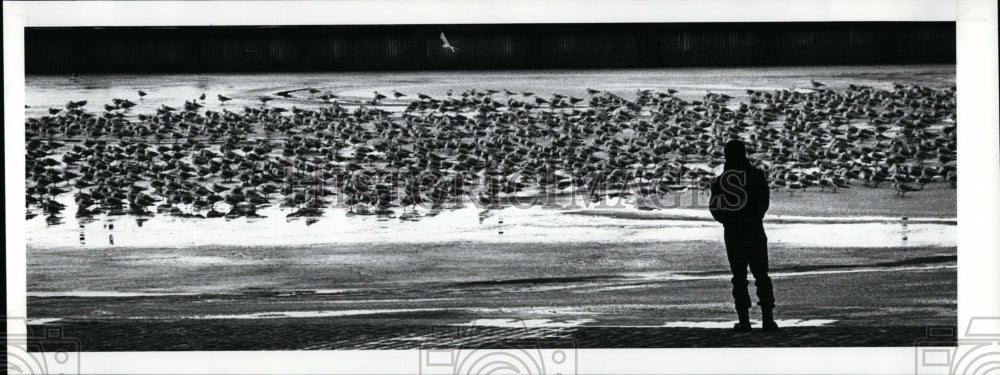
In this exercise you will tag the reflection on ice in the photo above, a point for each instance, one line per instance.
(471, 224)
(789, 323)
(526, 323)
(308, 314)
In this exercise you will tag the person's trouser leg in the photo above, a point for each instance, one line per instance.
(736, 252)
(738, 264)
(757, 260)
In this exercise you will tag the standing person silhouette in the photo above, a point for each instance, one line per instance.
(739, 200)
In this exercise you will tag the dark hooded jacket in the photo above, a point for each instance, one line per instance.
(740, 195)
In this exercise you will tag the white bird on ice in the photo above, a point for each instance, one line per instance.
(446, 45)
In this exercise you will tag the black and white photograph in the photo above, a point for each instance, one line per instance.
(497, 197)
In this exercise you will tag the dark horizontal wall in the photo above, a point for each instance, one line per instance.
(531, 46)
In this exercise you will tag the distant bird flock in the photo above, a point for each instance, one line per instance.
(487, 145)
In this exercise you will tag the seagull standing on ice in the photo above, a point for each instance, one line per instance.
(446, 45)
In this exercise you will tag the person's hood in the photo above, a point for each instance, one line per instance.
(736, 155)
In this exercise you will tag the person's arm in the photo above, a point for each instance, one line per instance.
(714, 203)
(764, 192)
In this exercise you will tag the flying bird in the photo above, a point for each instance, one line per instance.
(446, 45)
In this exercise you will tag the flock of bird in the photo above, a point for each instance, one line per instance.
(489, 146)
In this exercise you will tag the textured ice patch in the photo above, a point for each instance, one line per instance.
(783, 323)
(43, 320)
(527, 323)
(312, 314)
(105, 293)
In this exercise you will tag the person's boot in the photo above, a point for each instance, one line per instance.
(744, 316)
(767, 315)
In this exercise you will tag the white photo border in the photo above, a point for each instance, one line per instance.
(978, 191)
